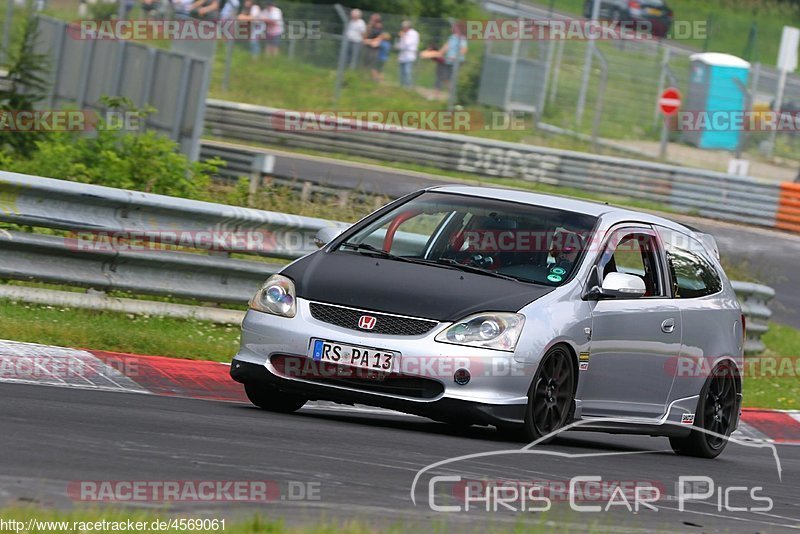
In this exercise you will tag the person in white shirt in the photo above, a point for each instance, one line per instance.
(274, 19)
(229, 10)
(258, 28)
(407, 47)
(354, 32)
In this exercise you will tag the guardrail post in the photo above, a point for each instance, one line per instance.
(262, 164)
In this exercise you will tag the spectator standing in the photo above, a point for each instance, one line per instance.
(441, 73)
(373, 42)
(273, 16)
(228, 9)
(355, 32)
(407, 47)
(455, 49)
(258, 28)
(384, 51)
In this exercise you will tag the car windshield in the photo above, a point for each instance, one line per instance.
(493, 237)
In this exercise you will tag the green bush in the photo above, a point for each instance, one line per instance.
(103, 10)
(142, 161)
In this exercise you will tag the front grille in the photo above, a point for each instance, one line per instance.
(416, 387)
(384, 324)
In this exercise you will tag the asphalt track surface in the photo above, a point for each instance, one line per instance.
(773, 257)
(361, 463)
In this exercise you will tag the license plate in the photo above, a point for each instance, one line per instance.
(361, 357)
(653, 11)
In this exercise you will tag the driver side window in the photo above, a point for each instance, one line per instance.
(634, 252)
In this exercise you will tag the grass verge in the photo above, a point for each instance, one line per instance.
(773, 379)
(41, 521)
(108, 520)
(118, 332)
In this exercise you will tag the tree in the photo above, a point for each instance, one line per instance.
(27, 86)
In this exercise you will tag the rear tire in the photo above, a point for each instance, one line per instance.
(273, 400)
(550, 398)
(716, 412)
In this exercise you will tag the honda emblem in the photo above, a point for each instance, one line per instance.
(366, 322)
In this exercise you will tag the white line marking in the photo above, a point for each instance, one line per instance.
(30, 363)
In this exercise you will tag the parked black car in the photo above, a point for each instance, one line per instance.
(655, 13)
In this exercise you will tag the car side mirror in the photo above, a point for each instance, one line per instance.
(325, 235)
(622, 285)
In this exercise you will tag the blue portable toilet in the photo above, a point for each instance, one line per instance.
(713, 89)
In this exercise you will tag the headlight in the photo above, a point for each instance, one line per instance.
(499, 331)
(276, 296)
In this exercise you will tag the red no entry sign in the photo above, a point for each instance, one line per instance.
(670, 101)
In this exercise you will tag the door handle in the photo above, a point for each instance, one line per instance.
(668, 326)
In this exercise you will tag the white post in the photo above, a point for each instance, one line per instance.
(787, 62)
(587, 68)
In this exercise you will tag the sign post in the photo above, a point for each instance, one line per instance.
(668, 104)
(787, 62)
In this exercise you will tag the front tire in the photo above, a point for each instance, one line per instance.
(716, 413)
(550, 398)
(273, 400)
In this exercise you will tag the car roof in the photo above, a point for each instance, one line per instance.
(609, 213)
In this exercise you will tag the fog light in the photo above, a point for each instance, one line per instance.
(462, 377)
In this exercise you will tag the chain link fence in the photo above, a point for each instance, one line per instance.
(543, 79)
(316, 35)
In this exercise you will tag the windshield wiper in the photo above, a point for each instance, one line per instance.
(443, 262)
(473, 269)
(365, 247)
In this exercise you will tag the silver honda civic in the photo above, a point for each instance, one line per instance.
(473, 305)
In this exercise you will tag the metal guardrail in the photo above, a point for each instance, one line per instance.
(82, 213)
(113, 239)
(754, 299)
(696, 191)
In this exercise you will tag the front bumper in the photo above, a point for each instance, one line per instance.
(495, 394)
(442, 409)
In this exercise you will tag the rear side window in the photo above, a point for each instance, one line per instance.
(692, 271)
